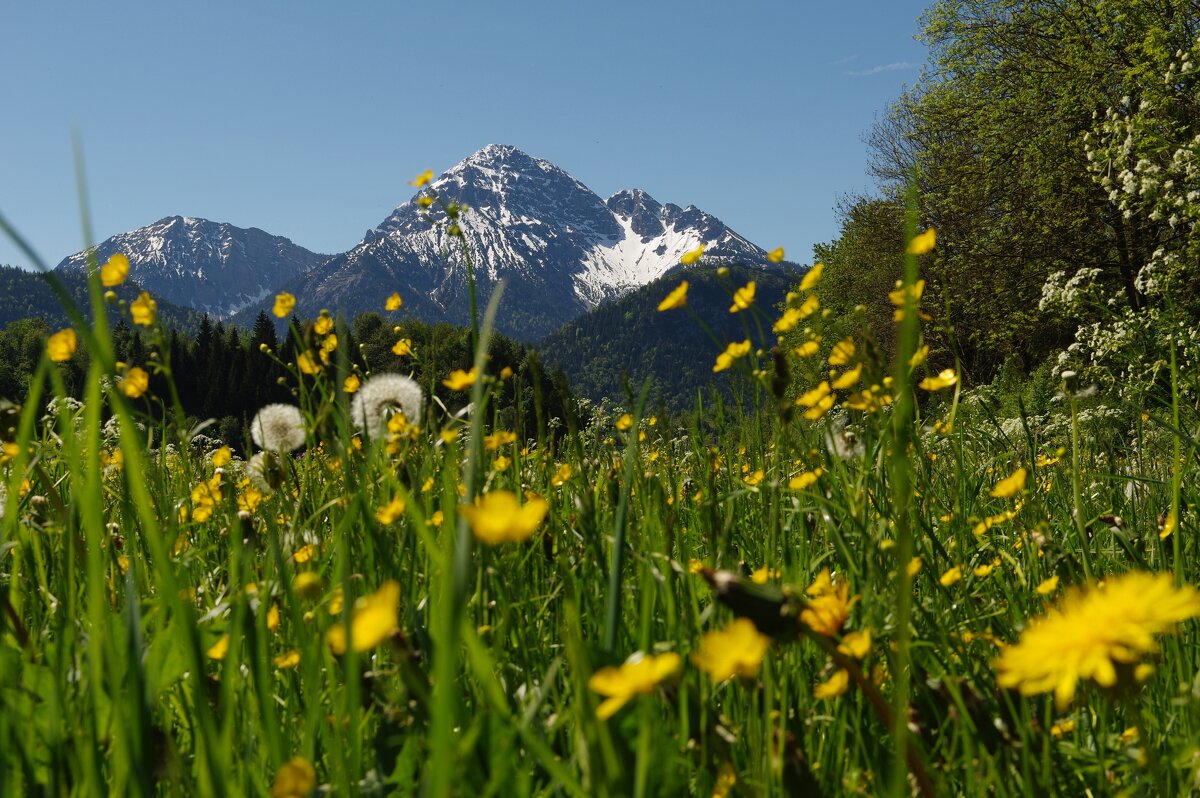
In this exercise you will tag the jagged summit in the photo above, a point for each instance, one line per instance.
(209, 266)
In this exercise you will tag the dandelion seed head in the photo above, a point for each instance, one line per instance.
(380, 397)
(278, 428)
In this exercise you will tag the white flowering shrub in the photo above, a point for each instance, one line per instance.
(1145, 154)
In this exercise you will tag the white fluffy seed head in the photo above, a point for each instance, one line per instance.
(382, 395)
(278, 428)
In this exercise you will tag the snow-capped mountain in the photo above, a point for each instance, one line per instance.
(560, 248)
(208, 266)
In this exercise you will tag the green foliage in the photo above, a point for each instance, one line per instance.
(613, 349)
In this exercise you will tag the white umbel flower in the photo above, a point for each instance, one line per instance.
(278, 428)
(383, 395)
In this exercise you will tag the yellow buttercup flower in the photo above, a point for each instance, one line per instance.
(393, 302)
(1047, 587)
(388, 513)
(944, 379)
(284, 303)
(952, 576)
(808, 348)
(688, 258)
(736, 650)
(834, 687)
(848, 379)
(221, 457)
(373, 621)
(675, 299)
(923, 242)
(135, 382)
(731, 353)
(505, 437)
(288, 659)
(403, 347)
(499, 517)
(1012, 485)
(114, 271)
(856, 644)
(144, 309)
(639, 675)
(421, 179)
(61, 346)
(804, 479)
(460, 380)
(351, 384)
(219, 649)
(743, 298)
(842, 352)
(307, 364)
(828, 605)
(1097, 633)
(775, 255)
(812, 277)
(624, 423)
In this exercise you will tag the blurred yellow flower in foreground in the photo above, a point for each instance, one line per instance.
(743, 298)
(296, 778)
(422, 178)
(394, 302)
(61, 346)
(114, 272)
(923, 242)
(675, 299)
(388, 513)
(373, 621)
(639, 675)
(829, 604)
(945, 379)
(736, 650)
(1099, 633)
(775, 255)
(135, 383)
(1010, 486)
(688, 258)
(499, 517)
(460, 380)
(834, 687)
(731, 353)
(812, 277)
(284, 303)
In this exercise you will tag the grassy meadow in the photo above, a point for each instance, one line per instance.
(853, 579)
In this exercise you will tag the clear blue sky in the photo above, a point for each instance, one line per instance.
(305, 119)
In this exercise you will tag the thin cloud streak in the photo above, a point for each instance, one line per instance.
(875, 70)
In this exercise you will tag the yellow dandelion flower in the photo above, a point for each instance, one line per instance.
(114, 271)
(460, 380)
(1097, 633)
(61, 346)
(499, 517)
(835, 686)
(284, 304)
(675, 299)
(688, 258)
(1012, 485)
(639, 675)
(394, 302)
(373, 620)
(736, 650)
(743, 298)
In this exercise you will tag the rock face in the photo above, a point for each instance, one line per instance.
(560, 248)
(208, 266)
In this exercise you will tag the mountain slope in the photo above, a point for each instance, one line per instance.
(629, 339)
(27, 295)
(559, 247)
(209, 266)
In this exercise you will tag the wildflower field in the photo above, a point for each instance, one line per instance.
(849, 579)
